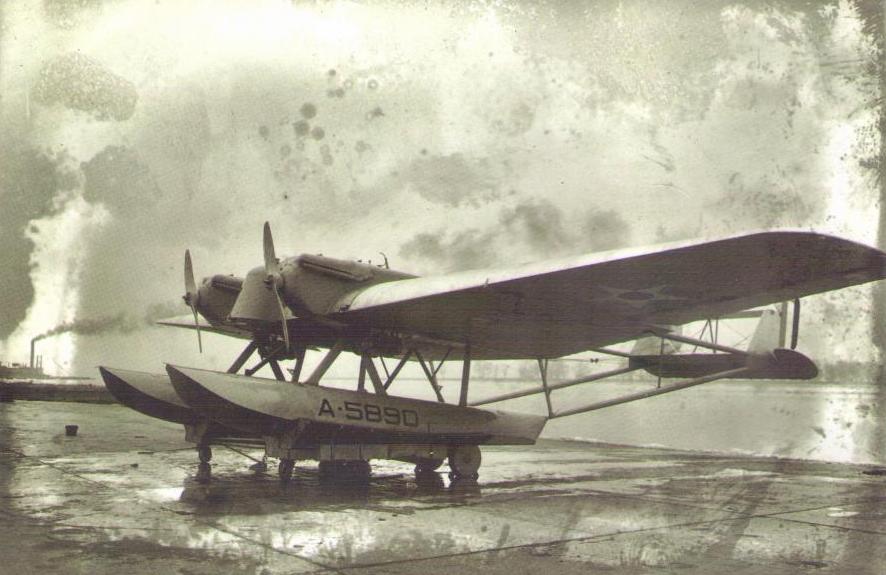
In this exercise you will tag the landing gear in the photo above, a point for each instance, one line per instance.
(204, 452)
(204, 473)
(284, 470)
(464, 461)
(204, 470)
(425, 466)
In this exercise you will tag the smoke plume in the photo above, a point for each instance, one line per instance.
(119, 323)
(31, 181)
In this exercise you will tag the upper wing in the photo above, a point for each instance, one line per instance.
(564, 307)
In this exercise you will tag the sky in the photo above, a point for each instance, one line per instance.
(447, 136)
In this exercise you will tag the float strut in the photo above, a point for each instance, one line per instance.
(397, 369)
(795, 332)
(278, 373)
(299, 363)
(326, 363)
(465, 376)
(377, 384)
(243, 357)
(431, 377)
(543, 370)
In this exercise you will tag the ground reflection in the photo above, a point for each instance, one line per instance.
(262, 493)
(337, 522)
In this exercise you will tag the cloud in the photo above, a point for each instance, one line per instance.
(530, 230)
(540, 224)
(438, 252)
(452, 179)
(605, 230)
(117, 178)
(78, 82)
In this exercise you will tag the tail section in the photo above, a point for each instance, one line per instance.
(766, 356)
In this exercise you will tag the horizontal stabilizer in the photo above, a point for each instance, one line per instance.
(779, 364)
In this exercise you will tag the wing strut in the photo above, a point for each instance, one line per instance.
(608, 351)
(465, 376)
(652, 392)
(553, 386)
(795, 332)
(698, 342)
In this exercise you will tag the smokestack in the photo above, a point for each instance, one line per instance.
(33, 343)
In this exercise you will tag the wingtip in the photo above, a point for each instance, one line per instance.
(105, 372)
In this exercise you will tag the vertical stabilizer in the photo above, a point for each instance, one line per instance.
(767, 335)
(654, 345)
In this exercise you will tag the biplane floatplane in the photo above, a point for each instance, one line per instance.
(539, 312)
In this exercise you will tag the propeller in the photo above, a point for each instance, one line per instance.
(191, 295)
(274, 279)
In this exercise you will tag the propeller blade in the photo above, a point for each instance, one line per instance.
(191, 295)
(197, 323)
(271, 265)
(190, 284)
(274, 279)
(283, 318)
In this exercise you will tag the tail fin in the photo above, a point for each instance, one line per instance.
(654, 345)
(768, 334)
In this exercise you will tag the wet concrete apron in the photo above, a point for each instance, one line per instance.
(121, 497)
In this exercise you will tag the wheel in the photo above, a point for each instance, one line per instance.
(284, 470)
(204, 452)
(427, 465)
(464, 461)
(204, 473)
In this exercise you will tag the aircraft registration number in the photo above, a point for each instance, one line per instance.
(358, 411)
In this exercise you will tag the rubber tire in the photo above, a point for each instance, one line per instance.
(284, 470)
(428, 465)
(464, 461)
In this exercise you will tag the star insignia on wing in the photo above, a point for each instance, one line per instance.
(637, 298)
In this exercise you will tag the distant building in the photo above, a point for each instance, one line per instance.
(19, 371)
